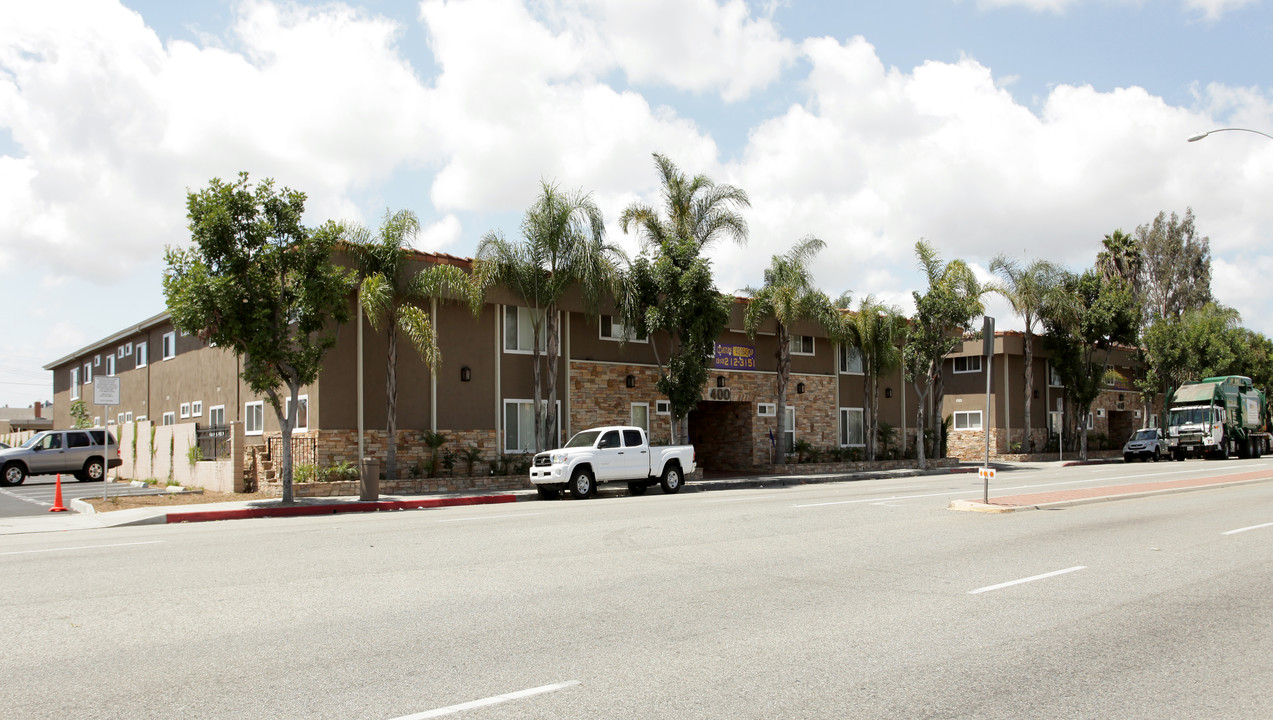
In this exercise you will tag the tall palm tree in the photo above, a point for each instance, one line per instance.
(1027, 289)
(876, 330)
(788, 296)
(563, 247)
(395, 298)
(1120, 258)
(673, 291)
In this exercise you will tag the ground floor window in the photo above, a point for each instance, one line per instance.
(216, 416)
(968, 420)
(641, 416)
(301, 421)
(519, 426)
(852, 427)
(789, 430)
(254, 418)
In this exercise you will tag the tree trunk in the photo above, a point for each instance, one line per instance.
(938, 419)
(550, 410)
(391, 403)
(538, 410)
(784, 369)
(1028, 437)
(919, 427)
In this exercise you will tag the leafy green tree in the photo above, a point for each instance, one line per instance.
(877, 332)
(670, 289)
(260, 284)
(79, 415)
(396, 300)
(943, 314)
(1175, 267)
(1202, 342)
(788, 296)
(1120, 258)
(1255, 358)
(1026, 288)
(1085, 318)
(563, 248)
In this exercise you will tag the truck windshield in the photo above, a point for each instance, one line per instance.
(583, 439)
(1185, 416)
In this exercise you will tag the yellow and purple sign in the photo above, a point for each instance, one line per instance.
(735, 357)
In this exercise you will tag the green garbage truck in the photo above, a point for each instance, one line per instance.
(1217, 417)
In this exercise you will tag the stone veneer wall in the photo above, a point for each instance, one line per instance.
(599, 396)
(405, 487)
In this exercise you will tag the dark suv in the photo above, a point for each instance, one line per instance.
(86, 454)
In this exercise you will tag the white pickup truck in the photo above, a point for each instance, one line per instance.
(610, 454)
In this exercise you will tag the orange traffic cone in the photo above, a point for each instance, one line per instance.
(57, 497)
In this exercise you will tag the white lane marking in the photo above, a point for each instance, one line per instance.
(1253, 527)
(24, 498)
(490, 517)
(81, 547)
(490, 701)
(744, 499)
(1032, 578)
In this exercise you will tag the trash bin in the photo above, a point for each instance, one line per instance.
(369, 486)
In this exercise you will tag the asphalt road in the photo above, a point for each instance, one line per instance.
(853, 600)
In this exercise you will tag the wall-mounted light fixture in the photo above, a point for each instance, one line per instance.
(466, 374)
(888, 392)
(1036, 394)
(720, 381)
(800, 388)
(630, 381)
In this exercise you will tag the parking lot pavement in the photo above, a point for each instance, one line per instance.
(35, 496)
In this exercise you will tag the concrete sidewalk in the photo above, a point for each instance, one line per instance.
(85, 516)
(1081, 496)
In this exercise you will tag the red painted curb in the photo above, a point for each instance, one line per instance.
(333, 509)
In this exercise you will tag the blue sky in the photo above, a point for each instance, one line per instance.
(1029, 127)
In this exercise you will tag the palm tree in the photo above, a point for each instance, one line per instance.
(788, 296)
(1027, 289)
(564, 247)
(674, 291)
(1121, 258)
(876, 331)
(394, 298)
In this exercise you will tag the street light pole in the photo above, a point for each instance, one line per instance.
(1200, 135)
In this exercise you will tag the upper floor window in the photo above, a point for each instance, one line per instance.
(110, 366)
(850, 360)
(88, 373)
(519, 330)
(801, 344)
(1054, 377)
(142, 354)
(613, 329)
(254, 418)
(75, 383)
(300, 423)
(970, 364)
(170, 345)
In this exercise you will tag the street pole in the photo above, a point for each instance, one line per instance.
(988, 349)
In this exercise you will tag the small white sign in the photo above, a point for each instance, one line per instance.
(986, 473)
(106, 391)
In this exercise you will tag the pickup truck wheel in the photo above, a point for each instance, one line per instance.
(1157, 455)
(13, 474)
(547, 492)
(671, 481)
(637, 488)
(581, 485)
(93, 471)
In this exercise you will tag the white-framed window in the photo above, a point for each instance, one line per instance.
(789, 430)
(662, 407)
(141, 418)
(97, 361)
(119, 419)
(850, 360)
(766, 410)
(968, 420)
(196, 408)
(1091, 421)
(254, 418)
(614, 330)
(97, 421)
(519, 331)
(110, 366)
(216, 416)
(142, 354)
(88, 373)
(1054, 378)
(185, 410)
(128, 349)
(852, 427)
(301, 421)
(970, 364)
(641, 416)
(128, 416)
(800, 344)
(170, 418)
(519, 426)
(169, 345)
(75, 383)
(119, 351)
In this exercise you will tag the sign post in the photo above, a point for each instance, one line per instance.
(988, 349)
(106, 394)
